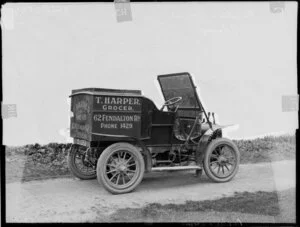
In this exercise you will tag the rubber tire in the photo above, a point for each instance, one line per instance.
(72, 167)
(211, 146)
(101, 167)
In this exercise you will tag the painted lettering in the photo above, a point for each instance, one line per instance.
(98, 99)
(103, 125)
(119, 101)
(119, 118)
(126, 125)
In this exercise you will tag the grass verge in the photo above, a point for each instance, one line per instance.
(241, 207)
(262, 203)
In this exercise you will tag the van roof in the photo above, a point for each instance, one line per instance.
(106, 91)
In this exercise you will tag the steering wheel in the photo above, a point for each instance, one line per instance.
(171, 101)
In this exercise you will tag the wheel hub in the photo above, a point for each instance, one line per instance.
(122, 168)
(222, 160)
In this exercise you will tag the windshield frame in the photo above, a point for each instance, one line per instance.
(199, 106)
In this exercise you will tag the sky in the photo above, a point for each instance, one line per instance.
(242, 57)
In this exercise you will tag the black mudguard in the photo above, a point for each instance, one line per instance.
(205, 139)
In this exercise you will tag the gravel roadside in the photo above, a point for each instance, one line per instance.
(72, 200)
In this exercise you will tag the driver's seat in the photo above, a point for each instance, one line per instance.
(183, 127)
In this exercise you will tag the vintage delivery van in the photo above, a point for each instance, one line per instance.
(120, 134)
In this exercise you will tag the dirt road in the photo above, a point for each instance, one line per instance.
(72, 200)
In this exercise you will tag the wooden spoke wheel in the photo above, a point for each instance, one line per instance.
(120, 168)
(221, 160)
(77, 164)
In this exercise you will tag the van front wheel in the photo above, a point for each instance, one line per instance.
(221, 160)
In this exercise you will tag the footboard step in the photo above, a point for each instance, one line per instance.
(174, 168)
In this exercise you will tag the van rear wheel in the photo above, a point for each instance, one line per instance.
(77, 164)
(120, 168)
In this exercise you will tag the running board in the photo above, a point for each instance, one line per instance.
(174, 168)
